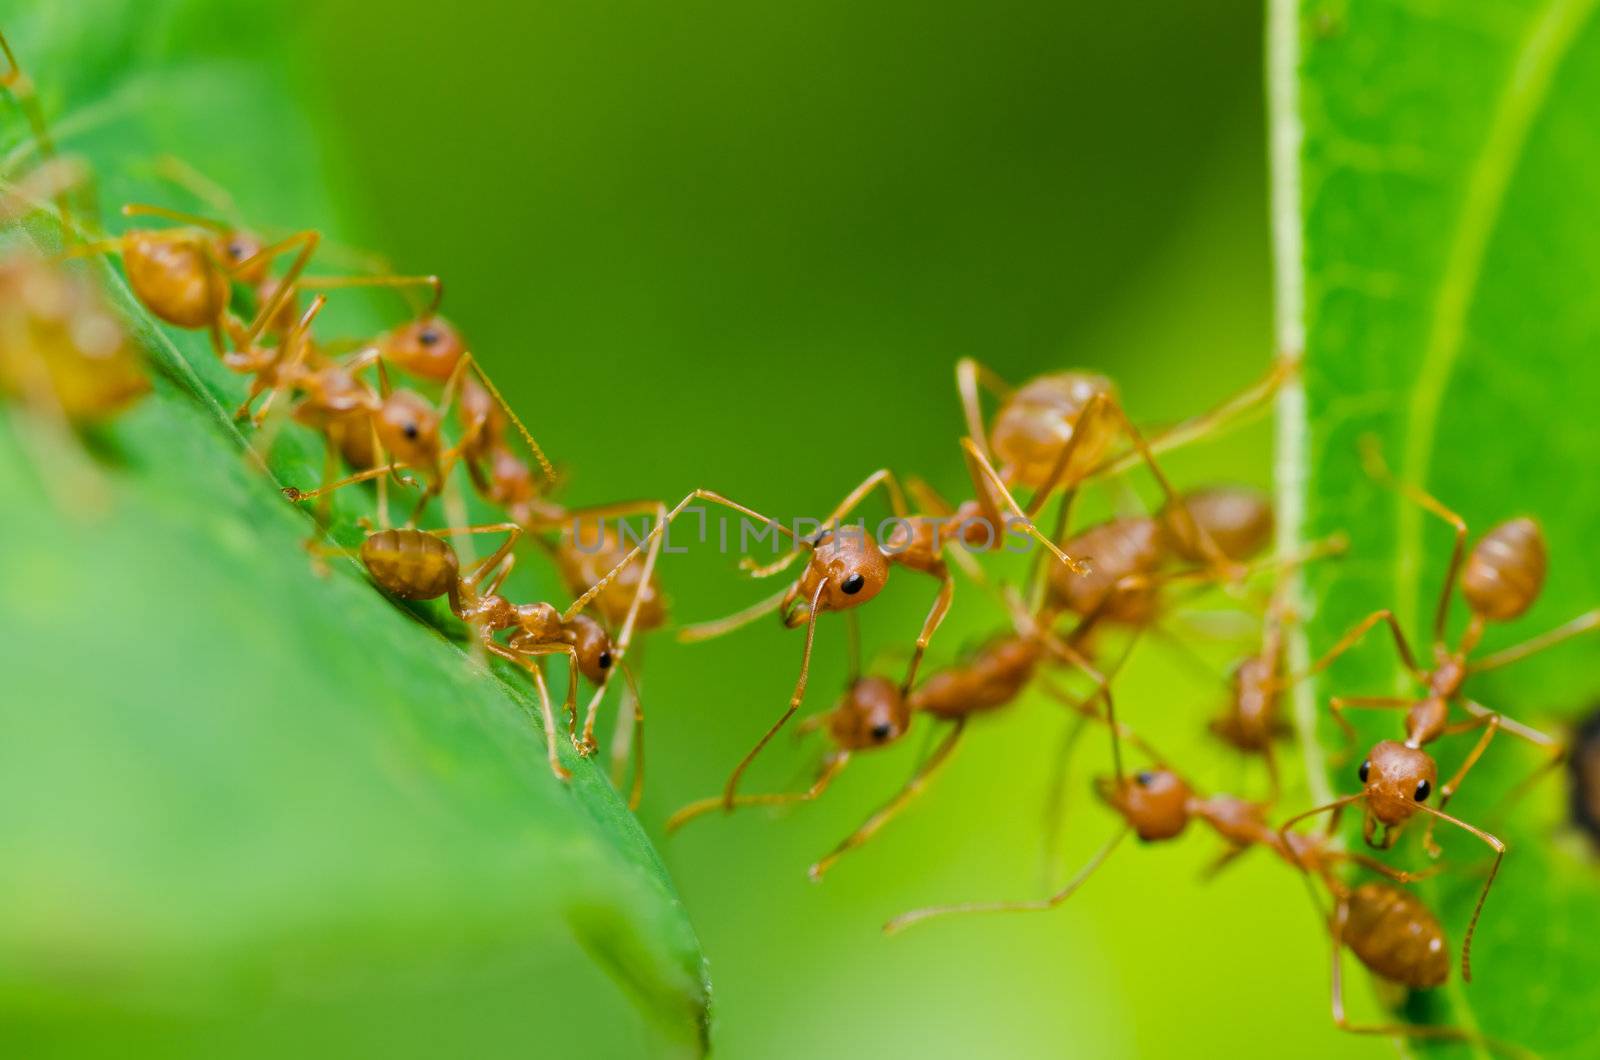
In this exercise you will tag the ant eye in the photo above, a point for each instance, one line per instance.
(605, 659)
(1423, 787)
(428, 336)
(853, 584)
(236, 250)
(882, 731)
(1144, 779)
(410, 431)
(1366, 767)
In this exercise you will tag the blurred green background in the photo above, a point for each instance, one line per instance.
(741, 246)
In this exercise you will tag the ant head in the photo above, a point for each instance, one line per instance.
(1395, 778)
(1237, 519)
(539, 621)
(174, 277)
(408, 427)
(1155, 802)
(855, 567)
(872, 713)
(1505, 571)
(594, 647)
(429, 348)
(233, 247)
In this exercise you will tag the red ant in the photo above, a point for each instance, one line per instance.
(1055, 432)
(420, 565)
(1500, 580)
(1388, 929)
(874, 713)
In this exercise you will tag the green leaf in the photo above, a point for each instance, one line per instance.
(248, 807)
(1436, 169)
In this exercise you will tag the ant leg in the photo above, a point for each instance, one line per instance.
(1584, 623)
(1499, 849)
(721, 626)
(881, 477)
(971, 374)
(499, 399)
(928, 498)
(544, 703)
(915, 916)
(1221, 565)
(660, 530)
(1374, 865)
(732, 787)
(333, 283)
(832, 766)
(987, 479)
(1197, 427)
(1372, 460)
(1336, 807)
(295, 495)
(1352, 638)
(621, 744)
(1337, 705)
(513, 533)
(1055, 802)
(1555, 750)
(913, 788)
(1221, 862)
(1065, 652)
(930, 625)
(620, 648)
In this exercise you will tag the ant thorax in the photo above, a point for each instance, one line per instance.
(539, 622)
(1426, 719)
(1037, 421)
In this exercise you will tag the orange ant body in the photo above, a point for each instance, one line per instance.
(420, 565)
(62, 350)
(1500, 580)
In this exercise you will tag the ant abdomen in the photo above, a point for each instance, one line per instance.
(1033, 425)
(174, 279)
(1506, 570)
(1396, 936)
(1237, 519)
(411, 564)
